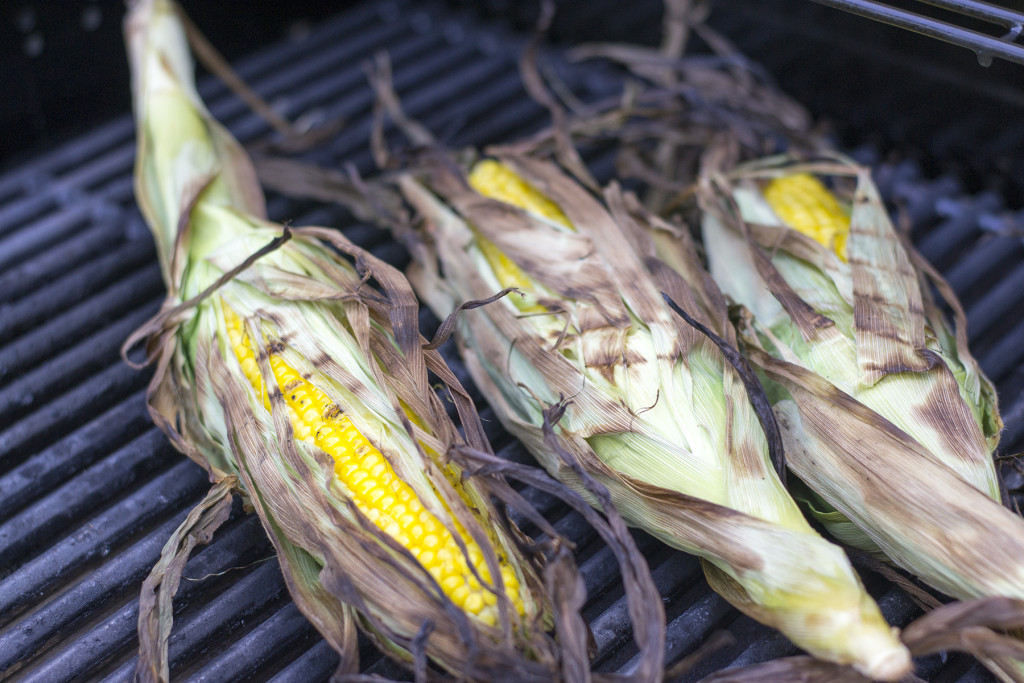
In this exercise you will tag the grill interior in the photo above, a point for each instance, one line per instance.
(92, 490)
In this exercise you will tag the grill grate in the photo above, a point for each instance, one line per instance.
(92, 490)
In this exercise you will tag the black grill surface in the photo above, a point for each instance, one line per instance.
(91, 490)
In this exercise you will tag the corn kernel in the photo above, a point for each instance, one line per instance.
(806, 205)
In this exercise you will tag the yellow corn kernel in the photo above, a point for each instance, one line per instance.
(376, 489)
(497, 181)
(806, 205)
(507, 272)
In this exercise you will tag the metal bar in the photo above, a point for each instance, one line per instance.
(35, 633)
(38, 525)
(968, 265)
(1001, 301)
(980, 10)
(82, 657)
(1006, 355)
(985, 46)
(152, 502)
(73, 365)
(51, 467)
(316, 664)
(65, 413)
(77, 285)
(244, 659)
(141, 288)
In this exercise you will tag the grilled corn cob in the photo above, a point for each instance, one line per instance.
(884, 413)
(280, 368)
(656, 413)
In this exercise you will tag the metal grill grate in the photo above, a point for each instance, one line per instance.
(92, 490)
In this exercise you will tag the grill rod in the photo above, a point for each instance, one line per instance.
(984, 46)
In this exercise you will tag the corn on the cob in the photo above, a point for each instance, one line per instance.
(885, 414)
(286, 372)
(655, 413)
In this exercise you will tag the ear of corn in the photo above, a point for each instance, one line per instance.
(294, 376)
(884, 412)
(654, 411)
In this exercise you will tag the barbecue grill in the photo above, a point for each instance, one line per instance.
(91, 489)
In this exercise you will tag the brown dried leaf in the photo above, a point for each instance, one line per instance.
(156, 609)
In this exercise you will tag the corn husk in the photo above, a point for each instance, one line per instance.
(348, 322)
(597, 376)
(885, 414)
